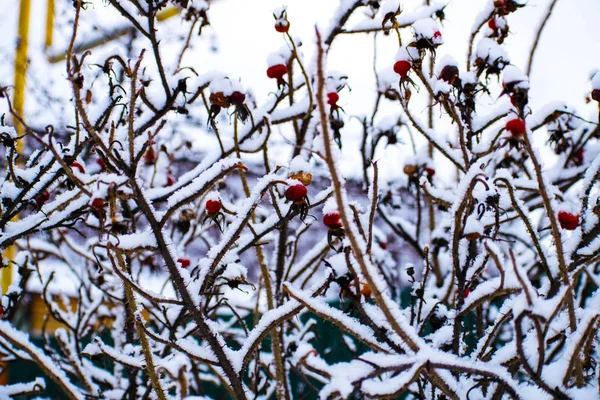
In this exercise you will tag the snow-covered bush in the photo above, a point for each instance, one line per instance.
(188, 229)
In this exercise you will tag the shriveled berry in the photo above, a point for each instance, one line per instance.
(516, 127)
(42, 198)
(213, 206)
(332, 220)
(449, 74)
(282, 25)
(401, 68)
(332, 99)
(185, 262)
(304, 177)
(237, 98)
(430, 171)
(277, 71)
(567, 220)
(596, 95)
(150, 156)
(296, 192)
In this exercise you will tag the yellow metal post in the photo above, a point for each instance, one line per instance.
(19, 107)
(49, 24)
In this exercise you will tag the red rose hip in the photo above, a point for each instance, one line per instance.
(332, 220)
(213, 206)
(296, 192)
(332, 99)
(516, 127)
(42, 198)
(568, 221)
(277, 71)
(185, 262)
(401, 68)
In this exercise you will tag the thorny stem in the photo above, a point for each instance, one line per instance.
(555, 229)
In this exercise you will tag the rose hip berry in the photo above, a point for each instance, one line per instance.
(492, 24)
(449, 74)
(282, 25)
(567, 220)
(332, 99)
(401, 68)
(277, 71)
(596, 95)
(97, 203)
(516, 127)
(42, 198)
(185, 262)
(296, 193)
(332, 220)
(150, 156)
(213, 206)
(237, 98)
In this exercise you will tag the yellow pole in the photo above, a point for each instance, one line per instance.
(49, 24)
(19, 107)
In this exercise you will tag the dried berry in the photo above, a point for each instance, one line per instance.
(304, 177)
(150, 156)
(237, 98)
(596, 95)
(450, 74)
